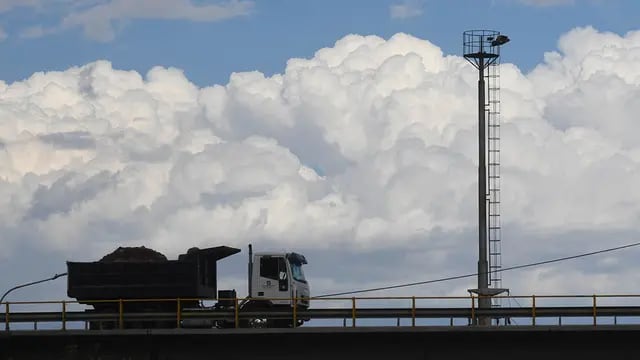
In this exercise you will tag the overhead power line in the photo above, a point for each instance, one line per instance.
(457, 277)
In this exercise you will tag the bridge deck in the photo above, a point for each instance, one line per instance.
(336, 343)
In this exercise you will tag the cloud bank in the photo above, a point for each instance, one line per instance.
(368, 147)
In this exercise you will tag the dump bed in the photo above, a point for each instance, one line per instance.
(193, 275)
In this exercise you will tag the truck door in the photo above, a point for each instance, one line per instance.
(274, 279)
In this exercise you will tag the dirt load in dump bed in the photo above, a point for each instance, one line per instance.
(134, 254)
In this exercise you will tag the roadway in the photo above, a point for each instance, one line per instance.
(599, 335)
(583, 342)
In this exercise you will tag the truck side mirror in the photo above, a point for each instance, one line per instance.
(283, 275)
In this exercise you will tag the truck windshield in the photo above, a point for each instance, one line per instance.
(296, 272)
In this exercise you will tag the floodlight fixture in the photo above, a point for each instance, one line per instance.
(500, 40)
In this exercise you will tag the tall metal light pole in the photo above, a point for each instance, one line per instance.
(482, 49)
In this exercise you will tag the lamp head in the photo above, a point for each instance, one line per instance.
(500, 40)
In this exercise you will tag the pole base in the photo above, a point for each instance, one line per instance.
(487, 291)
(484, 302)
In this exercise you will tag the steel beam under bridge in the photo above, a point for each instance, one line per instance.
(402, 343)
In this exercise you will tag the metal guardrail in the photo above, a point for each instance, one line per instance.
(594, 311)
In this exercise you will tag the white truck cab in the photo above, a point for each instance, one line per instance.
(278, 279)
(276, 282)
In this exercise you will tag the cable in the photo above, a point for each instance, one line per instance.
(476, 274)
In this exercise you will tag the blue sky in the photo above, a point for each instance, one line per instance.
(266, 33)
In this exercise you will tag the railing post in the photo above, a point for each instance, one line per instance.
(178, 313)
(6, 316)
(236, 314)
(413, 311)
(295, 312)
(473, 310)
(594, 310)
(533, 310)
(120, 314)
(64, 315)
(353, 312)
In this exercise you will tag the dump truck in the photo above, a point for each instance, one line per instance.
(135, 285)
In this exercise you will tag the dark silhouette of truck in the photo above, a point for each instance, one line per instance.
(143, 284)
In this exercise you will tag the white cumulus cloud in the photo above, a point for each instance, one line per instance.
(368, 147)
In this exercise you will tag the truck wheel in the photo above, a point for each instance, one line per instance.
(223, 324)
(257, 322)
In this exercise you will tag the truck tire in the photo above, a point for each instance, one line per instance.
(257, 322)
